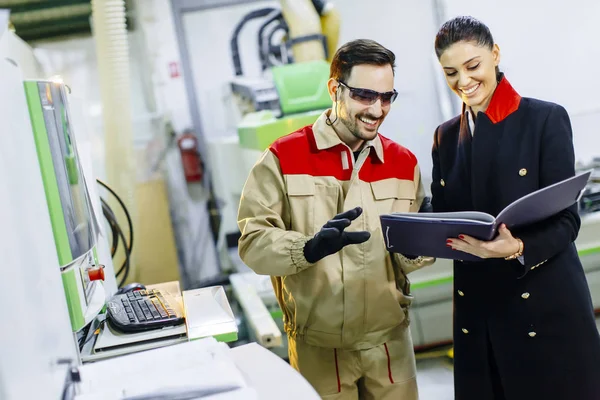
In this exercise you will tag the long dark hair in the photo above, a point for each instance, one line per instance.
(463, 29)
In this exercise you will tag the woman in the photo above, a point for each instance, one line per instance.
(524, 326)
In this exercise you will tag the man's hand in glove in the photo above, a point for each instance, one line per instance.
(332, 237)
(426, 205)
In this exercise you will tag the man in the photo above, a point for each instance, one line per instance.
(309, 217)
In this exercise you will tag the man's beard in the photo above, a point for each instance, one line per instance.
(352, 124)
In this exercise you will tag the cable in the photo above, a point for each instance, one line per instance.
(113, 231)
(117, 233)
(124, 209)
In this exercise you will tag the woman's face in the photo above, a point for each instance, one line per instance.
(470, 71)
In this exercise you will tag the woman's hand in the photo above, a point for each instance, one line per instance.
(502, 246)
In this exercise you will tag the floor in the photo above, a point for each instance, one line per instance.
(435, 375)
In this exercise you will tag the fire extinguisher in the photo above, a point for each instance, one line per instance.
(190, 157)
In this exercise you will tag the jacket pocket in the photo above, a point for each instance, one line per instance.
(393, 195)
(311, 204)
(301, 195)
(326, 204)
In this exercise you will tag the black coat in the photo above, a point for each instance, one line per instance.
(524, 330)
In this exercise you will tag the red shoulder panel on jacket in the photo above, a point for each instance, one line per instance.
(398, 163)
(298, 155)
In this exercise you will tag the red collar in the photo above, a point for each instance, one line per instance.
(505, 101)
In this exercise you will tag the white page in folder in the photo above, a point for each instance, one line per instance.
(462, 216)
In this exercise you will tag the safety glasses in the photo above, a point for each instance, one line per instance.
(368, 96)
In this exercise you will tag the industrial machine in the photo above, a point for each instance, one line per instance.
(292, 91)
(73, 222)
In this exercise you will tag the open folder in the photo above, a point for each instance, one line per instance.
(425, 234)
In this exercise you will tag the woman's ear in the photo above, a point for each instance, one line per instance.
(496, 54)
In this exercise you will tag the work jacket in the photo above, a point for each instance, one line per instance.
(358, 297)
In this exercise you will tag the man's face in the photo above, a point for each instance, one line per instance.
(353, 105)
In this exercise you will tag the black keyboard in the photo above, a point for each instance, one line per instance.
(141, 310)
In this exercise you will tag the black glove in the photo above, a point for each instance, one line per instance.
(426, 205)
(331, 238)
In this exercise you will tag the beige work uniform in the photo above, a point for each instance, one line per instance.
(346, 315)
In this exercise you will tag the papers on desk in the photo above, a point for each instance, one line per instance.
(200, 369)
(208, 313)
(111, 340)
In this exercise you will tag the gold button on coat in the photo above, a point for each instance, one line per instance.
(525, 295)
(461, 293)
(465, 330)
(522, 172)
(532, 334)
(442, 182)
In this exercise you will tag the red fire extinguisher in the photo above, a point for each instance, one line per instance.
(190, 157)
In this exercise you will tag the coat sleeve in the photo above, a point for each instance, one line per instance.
(267, 245)
(545, 239)
(437, 193)
(410, 264)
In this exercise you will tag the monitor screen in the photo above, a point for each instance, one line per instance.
(69, 179)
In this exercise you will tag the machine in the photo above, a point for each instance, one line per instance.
(73, 222)
(292, 91)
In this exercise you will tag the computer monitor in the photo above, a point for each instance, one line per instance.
(66, 192)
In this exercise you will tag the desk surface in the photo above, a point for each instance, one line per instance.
(203, 364)
(270, 376)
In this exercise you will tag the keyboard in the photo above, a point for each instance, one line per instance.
(141, 310)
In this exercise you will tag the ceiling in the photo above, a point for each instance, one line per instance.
(35, 20)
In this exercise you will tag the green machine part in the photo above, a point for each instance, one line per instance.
(303, 96)
(72, 283)
(51, 189)
(302, 87)
(48, 113)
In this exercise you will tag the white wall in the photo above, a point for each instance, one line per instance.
(155, 19)
(550, 51)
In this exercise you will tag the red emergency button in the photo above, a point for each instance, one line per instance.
(97, 273)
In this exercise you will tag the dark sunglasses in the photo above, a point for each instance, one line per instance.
(368, 96)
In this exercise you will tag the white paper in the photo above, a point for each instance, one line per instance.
(201, 365)
(208, 313)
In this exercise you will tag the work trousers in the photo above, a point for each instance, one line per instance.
(387, 371)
